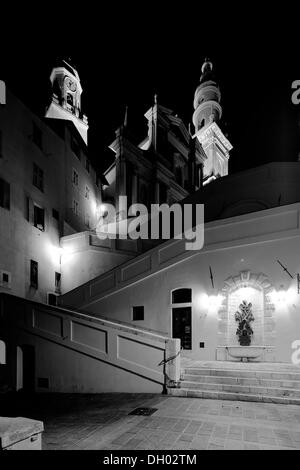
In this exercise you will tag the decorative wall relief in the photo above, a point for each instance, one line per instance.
(244, 317)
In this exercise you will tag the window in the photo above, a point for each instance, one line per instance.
(87, 164)
(39, 218)
(199, 175)
(87, 192)
(5, 279)
(70, 99)
(38, 177)
(75, 178)
(57, 282)
(4, 194)
(52, 299)
(138, 313)
(75, 207)
(2, 352)
(75, 147)
(202, 124)
(34, 274)
(55, 214)
(37, 136)
(182, 296)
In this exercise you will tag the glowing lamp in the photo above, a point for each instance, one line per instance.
(211, 303)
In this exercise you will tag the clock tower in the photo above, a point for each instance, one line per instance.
(66, 98)
(206, 117)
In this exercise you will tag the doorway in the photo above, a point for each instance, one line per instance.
(182, 326)
(26, 368)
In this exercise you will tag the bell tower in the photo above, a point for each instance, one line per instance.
(207, 114)
(66, 98)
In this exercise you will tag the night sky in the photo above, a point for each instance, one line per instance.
(125, 56)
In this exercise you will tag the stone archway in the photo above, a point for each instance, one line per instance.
(254, 288)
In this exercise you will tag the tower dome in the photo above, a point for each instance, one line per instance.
(207, 98)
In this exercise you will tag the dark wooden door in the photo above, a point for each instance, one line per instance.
(182, 326)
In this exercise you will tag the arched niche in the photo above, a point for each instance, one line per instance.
(254, 288)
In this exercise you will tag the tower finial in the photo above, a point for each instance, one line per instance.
(155, 98)
(206, 68)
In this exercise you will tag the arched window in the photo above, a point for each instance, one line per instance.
(70, 99)
(2, 352)
(182, 296)
(202, 124)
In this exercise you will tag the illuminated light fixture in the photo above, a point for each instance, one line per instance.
(102, 209)
(211, 302)
(56, 253)
(283, 297)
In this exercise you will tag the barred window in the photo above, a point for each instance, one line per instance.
(34, 274)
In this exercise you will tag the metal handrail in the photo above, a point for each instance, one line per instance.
(165, 361)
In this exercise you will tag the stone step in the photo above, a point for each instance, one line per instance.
(249, 381)
(246, 373)
(267, 391)
(221, 395)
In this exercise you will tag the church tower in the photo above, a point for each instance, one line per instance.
(66, 98)
(206, 117)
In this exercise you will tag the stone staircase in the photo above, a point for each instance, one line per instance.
(259, 382)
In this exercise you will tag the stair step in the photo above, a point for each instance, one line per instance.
(247, 381)
(268, 391)
(221, 395)
(261, 374)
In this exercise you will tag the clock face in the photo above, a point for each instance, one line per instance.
(70, 84)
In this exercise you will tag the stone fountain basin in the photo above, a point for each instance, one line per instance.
(247, 352)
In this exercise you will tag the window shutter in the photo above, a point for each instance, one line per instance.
(30, 210)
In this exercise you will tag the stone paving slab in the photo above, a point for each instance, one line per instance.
(86, 422)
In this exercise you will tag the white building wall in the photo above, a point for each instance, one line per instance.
(250, 242)
(20, 241)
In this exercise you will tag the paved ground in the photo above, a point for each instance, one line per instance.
(102, 422)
